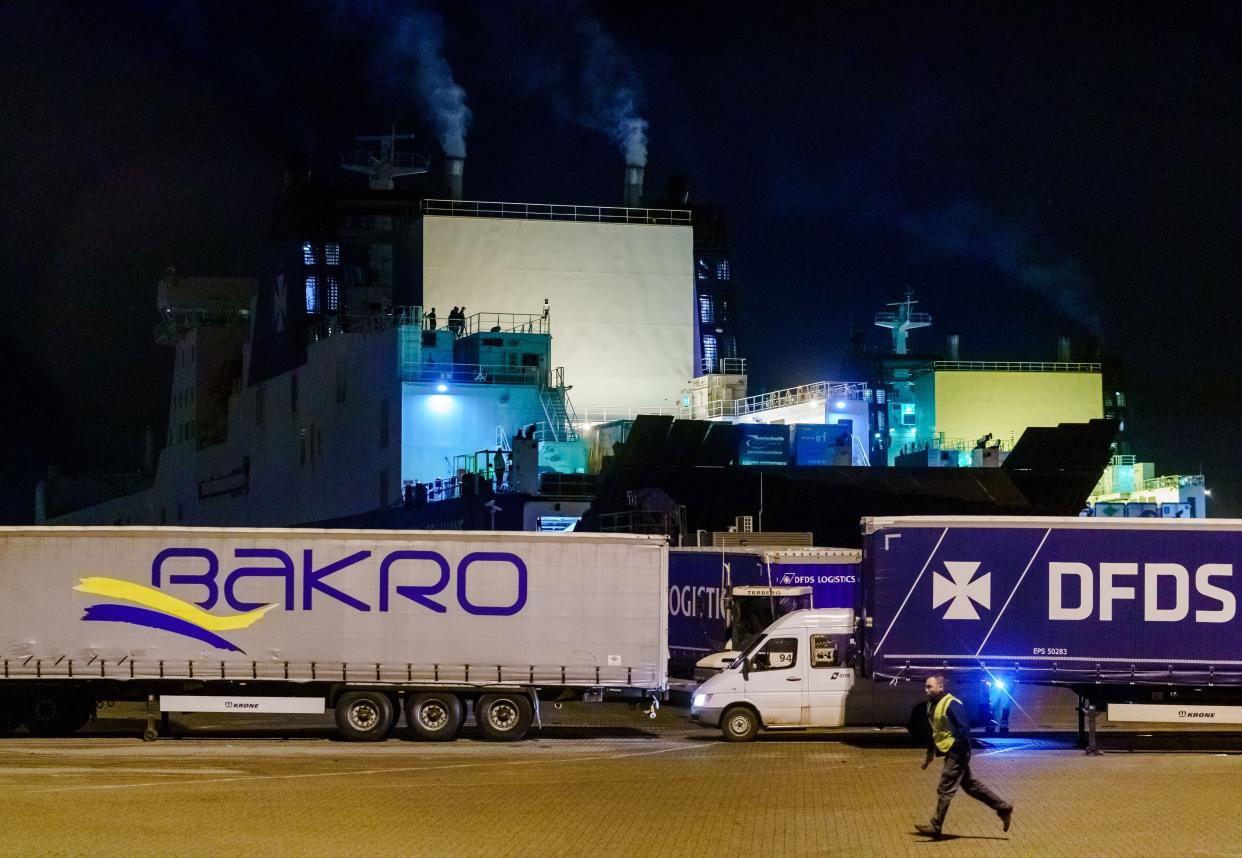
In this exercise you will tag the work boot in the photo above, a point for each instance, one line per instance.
(1005, 816)
(928, 831)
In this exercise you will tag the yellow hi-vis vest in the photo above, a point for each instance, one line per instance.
(942, 736)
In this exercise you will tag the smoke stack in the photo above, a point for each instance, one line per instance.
(1063, 349)
(453, 169)
(633, 186)
(955, 343)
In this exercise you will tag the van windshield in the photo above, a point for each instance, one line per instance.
(752, 645)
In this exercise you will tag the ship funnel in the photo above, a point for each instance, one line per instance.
(955, 351)
(633, 186)
(453, 169)
(1063, 349)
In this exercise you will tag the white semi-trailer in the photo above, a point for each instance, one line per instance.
(365, 623)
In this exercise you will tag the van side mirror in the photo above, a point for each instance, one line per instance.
(745, 668)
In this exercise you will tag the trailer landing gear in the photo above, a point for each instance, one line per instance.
(1087, 713)
(157, 721)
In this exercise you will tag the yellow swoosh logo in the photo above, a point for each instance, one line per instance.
(158, 600)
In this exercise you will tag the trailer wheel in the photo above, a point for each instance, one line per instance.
(53, 714)
(739, 724)
(435, 716)
(11, 715)
(503, 717)
(364, 716)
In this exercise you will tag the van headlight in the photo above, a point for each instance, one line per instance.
(700, 700)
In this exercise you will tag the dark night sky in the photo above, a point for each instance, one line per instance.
(1030, 170)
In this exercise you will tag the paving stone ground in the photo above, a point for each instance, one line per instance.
(602, 782)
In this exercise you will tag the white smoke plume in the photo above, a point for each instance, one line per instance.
(410, 41)
(421, 34)
(610, 93)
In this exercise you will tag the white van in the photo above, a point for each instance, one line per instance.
(800, 673)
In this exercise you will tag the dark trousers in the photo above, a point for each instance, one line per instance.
(957, 773)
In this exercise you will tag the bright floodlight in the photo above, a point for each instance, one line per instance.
(442, 387)
(841, 404)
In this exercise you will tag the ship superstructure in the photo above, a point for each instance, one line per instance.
(400, 347)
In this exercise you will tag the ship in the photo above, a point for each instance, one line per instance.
(411, 359)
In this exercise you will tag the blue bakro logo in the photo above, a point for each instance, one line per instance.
(154, 608)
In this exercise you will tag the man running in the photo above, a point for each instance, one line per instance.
(950, 738)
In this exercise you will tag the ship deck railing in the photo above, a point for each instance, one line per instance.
(594, 415)
(848, 391)
(1006, 366)
(553, 211)
(428, 372)
(415, 317)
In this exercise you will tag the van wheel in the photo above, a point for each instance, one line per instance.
(57, 714)
(739, 724)
(503, 717)
(434, 715)
(364, 716)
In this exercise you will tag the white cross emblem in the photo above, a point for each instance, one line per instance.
(964, 592)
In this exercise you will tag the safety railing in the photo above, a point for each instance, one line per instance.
(1005, 366)
(552, 211)
(594, 415)
(820, 390)
(1173, 481)
(495, 323)
(470, 373)
(349, 324)
(723, 366)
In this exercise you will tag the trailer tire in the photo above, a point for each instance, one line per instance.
(504, 717)
(434, 716)
(739, 724)
(57, 714)
(364, 716)
(11, 715)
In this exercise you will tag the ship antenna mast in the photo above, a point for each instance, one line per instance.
(902, 321)
(389, 164)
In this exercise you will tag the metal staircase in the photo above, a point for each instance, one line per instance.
(560, 419)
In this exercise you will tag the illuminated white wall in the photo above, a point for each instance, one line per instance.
(436, 427)
(622, 296)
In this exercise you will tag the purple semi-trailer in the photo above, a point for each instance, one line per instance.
(1136, 615)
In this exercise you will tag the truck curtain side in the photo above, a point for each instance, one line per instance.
(1132, 611)
(365, 622)
(699, 582)
(1137, 615)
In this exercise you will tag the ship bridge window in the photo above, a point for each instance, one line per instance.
(709, 351)
(332, 254)
(308, 253)
(312, 295)
(707, 309)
